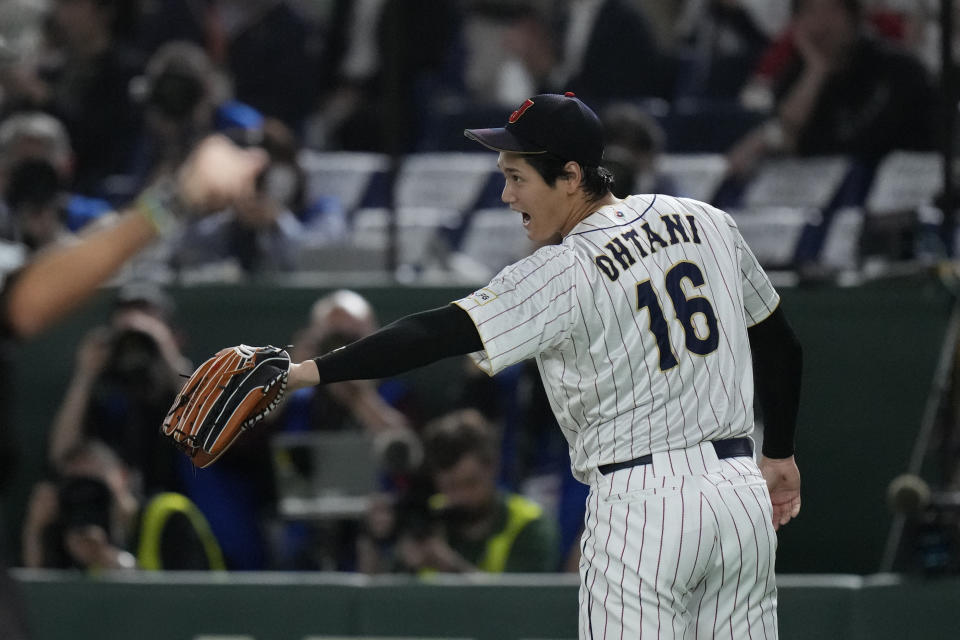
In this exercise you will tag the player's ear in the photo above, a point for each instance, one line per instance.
(573, 176)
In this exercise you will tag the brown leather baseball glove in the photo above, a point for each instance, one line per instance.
(226, 395)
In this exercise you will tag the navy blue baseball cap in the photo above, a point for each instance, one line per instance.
(558, 124)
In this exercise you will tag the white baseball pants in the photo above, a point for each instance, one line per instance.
(680, 548)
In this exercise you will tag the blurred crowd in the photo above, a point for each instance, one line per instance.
(352, 476)
(99, 98)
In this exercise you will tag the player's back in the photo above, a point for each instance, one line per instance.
(662, 352)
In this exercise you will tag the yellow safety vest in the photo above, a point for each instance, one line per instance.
(155, 516)
(520, 513)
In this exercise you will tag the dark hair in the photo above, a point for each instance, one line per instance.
(627, 125)
(450, 438)
(597, 181)
(124, 16)
(147, 296)
(177, 78)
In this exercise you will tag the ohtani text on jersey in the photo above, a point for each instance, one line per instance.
(645, 240)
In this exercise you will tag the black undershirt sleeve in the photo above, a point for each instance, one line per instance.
(408, 343)
(777, 369)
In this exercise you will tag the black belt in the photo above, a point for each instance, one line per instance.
(730, 448)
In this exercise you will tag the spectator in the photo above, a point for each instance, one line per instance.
(337, 319)
(271, 53)
(634, 144)
(178, 93)
(601, 44)
(260, 234)
(171, 20)
(581, 46)
(476, 527)
(534, 457)
(510, 49)
(36, 162)
(37, 205)
(324, 222)
(923, 33)
(34, 135)
(844, 91)
(185, 97)
(94, 519)
(397, 58)
(84, 81)
(721, 43)
(21, 29)
(125, 377)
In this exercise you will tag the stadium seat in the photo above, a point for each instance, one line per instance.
(696, 175)
(449, 180)
(841, 247)
(443, 129)
(343, 258)
(707, 126)
(905, 181)
(495, 238)
(773, 233)
(796, 182)
(355, 179)
(335, 482)
(420, 232)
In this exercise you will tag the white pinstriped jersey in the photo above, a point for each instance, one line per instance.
(638, 321)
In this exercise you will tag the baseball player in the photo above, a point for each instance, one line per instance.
(647, 317)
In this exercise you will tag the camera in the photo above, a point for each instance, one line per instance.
(132, 353)
(33, 182)
(84, 501)
(175, 94)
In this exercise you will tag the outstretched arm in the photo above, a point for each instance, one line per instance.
(778, 365)
(57, 281)
(408, 343)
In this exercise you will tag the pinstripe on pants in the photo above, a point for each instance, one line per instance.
(680, 548)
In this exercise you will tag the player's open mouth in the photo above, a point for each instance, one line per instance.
(525, 217)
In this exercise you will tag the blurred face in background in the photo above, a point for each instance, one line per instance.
(26, 148)
(36, 195)
(41, 224)
(469, 487)
(829, 25)
(80, 23)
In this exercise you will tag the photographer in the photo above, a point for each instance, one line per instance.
(125, 377)
(337, 319)
(36, 167)
(474, 526)
(82, 75)
(92, 518)
(178, 95)
(260, 234)
(380, 409)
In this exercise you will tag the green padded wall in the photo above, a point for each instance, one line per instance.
(269, 606)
